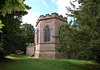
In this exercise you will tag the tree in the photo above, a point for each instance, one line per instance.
(6, 7)
(29, 31)
(11, 38)
(89, 26)
(84, 35)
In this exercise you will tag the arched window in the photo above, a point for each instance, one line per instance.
(47, 34)
(37, 36)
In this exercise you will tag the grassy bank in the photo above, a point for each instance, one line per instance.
(21, 62)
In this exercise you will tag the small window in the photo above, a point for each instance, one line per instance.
(59, 30)
(47, 34)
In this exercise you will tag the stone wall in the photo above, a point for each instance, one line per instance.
(30, 50)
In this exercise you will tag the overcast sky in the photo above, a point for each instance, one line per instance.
(43, 7)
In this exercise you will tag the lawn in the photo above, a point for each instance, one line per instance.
(21, 62)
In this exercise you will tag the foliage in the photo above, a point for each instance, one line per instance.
(1, 25)
(19, 62)
(83, 37)
(11, 38)
(6, 7)
(28, 31)
(66, 42)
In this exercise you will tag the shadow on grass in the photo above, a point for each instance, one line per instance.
(92, 66)
(3, 60)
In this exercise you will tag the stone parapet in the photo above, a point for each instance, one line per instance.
(48, 16)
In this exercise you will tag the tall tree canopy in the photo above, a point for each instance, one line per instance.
(83, 37)
(7, 6)
(29, 31)
(11, 38)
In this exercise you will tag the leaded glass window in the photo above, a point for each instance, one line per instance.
(37, 36)
(47, 34)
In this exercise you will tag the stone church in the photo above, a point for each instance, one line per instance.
(46, 27)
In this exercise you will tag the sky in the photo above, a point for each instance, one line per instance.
(43, 7)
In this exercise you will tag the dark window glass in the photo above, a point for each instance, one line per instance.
(37, 36)
(47, 34)
(59, 31)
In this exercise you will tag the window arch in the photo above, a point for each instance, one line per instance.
(47, 34)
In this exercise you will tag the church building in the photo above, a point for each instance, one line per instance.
(46, 27)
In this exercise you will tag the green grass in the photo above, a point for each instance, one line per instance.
(21, 62)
